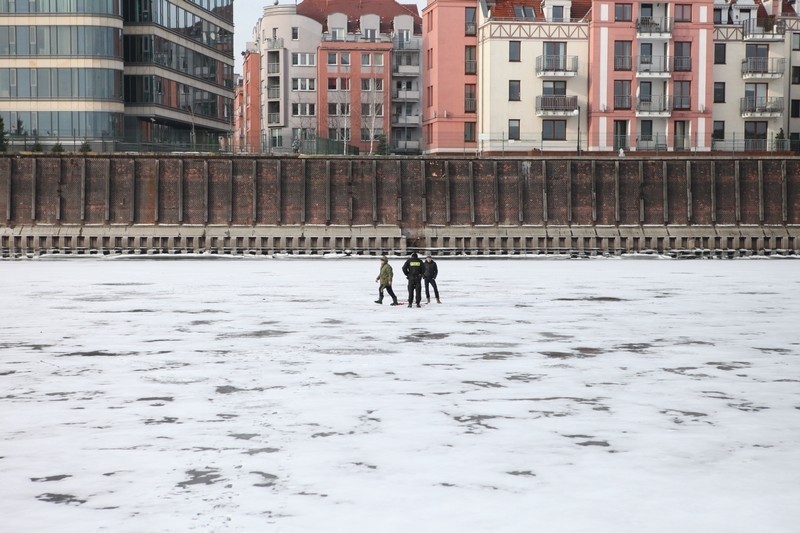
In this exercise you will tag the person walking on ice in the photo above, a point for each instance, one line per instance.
(413, 270)
(429, 275)
(385, 280)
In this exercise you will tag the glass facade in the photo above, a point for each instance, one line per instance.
(183, 98)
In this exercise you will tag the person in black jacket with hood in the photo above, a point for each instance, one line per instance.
(413, 269)
(429, 275)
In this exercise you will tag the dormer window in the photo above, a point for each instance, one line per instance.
(524, 12)
(337, 34)
(371, 35)
(558, 14)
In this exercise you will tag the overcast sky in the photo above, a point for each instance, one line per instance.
(247, 12)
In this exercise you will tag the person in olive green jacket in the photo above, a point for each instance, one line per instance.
(385, 279)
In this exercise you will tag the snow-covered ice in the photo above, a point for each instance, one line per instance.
(602, 395)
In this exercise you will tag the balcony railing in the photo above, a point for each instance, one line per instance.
(622, 101)
(682, 103)
(653, 105)
(551, 104)
(414, 43)
(622, 62)
(653, 65)
(470, 105)
(768, 29)
(565, 65)
(273, 118)
(273, 92)
(648, 26)
(405, 95)
(683, 64)
(470, 28)
(273, 68)
(763, 67)
(761, 105)
(275, 44)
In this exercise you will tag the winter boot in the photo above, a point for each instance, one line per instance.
(379, 301)
(395, 302)
(419, 305)
(409, 304)
(428, 299)
(438, 301)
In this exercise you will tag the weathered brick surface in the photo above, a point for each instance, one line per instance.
(170, 190)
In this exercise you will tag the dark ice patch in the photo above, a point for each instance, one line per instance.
(686, 371)
(8, 373)
(592, 299)
(497, 356)
(269, 479)
(50, 478)
(679, 417)
(424, 336)
(97, 353)
(365, 465)
(259, 334)
(525, 378)
(244, 436)
(209, 476)
(66, 499)
(346, 374)
(733, 365)
(635, 347)
(774, 350)
(257, 451)
(555, 336)
(163, 420)
(525, 473)
(156, 399)
(230, 389)
(484, 384)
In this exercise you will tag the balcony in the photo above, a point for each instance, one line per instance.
(273, 118)
(763, 29)
(414, 43)
(273, 68)
(653, 67)
(275, 44)
(406, 95)
(406, 120)
(470, 28)
(273, 93)
(761, 106)
(654, 28)
(557, 66)
(560, 106)
(763, 68)
(405, 146)
(653, 106)
(406, 70)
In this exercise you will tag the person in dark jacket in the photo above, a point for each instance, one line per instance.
(385, 279)
(413, 269)
(429, 275)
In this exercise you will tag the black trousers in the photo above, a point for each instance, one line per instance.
(388, 290)
(414, 288)
(428, 283)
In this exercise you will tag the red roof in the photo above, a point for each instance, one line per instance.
(354, 9)
(504, 9)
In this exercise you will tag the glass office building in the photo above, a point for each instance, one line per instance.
(117, 74)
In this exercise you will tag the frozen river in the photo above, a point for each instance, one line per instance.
(261, 395)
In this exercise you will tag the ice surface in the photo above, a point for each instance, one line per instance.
(273, 395)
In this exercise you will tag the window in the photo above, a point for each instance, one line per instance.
(469, 98)
(366, 84)
(344, 84)
(719, 53)
(469, 132)
(513, 129)
(718, 15)
(366, 60)
(646, 131)
(304, 84)
(554, 130)
(796, 41)
(514, 50)
(333, 84)
(682, 95)
(795, 108)
(371, 35)
(795, 75)
(622, 55)
(683, 13)
(524, 12)
(344, 58)
(339, 109)
(332, 58)
(683, 56)
(377, 83)
(646, 54)
(295, 33)
(514, 90)
(470, 27)
(718, 131)
(622, 94)
(554, 88)
(337, 34)
(470, 63)
(304, 110)
(303, 59)
(558, 14)
(377, 60)
(623, 12)
(719, 92)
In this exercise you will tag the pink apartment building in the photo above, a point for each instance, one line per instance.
(650, 82)
(449, 78)
(247, 108)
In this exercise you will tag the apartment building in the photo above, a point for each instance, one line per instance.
(340, 70)
(247, 115)
(532, 75)
(754, 76)
(61, 72)
(450, 76)
(133, 75)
